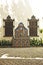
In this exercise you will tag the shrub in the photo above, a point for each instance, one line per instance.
(36, 42)
(33, 43)
(41, 30)
(4, 43)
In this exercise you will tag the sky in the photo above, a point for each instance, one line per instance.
(21, 10)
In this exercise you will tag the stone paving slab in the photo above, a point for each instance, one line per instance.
(21, 62)
(32, 52)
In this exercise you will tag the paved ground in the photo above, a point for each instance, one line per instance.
(23, 52)
(20, 62)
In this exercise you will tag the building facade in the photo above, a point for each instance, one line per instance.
(19, 37)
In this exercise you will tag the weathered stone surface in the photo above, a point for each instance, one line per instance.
(33, 26)
(21, 38)
(8, 26)
(20, 62)
(23, 42)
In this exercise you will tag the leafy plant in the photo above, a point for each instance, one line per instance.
(41, 30)
(36, 42)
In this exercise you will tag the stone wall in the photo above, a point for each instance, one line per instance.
(21, 42)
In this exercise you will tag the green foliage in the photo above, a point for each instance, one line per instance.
(33, 43)
(36, 42)
(4, 43)
(41, 30)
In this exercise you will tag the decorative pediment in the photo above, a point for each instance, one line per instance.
(8, 19)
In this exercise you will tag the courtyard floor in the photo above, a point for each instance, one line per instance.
(32, 52)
